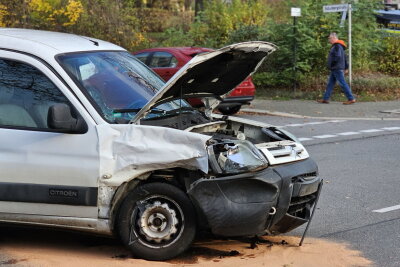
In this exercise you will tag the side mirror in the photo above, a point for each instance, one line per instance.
(60, 118)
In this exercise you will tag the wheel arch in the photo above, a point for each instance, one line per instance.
(168, 176)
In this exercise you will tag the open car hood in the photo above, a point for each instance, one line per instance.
(212, 74)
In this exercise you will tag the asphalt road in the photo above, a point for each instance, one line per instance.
(360, 163)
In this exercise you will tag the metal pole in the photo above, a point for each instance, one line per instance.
(294, 56)
(313, 211)
(350, 69)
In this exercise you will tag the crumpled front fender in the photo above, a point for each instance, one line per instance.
(237, 205)
(128, 151)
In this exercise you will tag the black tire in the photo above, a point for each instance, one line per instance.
(157, 221)
(229, 110)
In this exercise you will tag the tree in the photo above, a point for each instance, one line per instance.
(54, 14)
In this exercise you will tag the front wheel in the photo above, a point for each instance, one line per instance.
(157, 221)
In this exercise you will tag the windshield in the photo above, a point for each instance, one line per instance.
(116, 82)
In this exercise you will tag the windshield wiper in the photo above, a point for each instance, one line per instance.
(155, 110)
(127, 110)
(178, 110)
(143, 81)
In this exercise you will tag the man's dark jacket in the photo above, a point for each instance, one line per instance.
(337, 57)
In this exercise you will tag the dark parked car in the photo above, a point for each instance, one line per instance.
(166, 61)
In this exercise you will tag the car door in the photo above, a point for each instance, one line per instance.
(43, 171)
(164, 64)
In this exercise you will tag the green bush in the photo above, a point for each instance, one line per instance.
(215, 25)
(141, 24)
(312, 30)
(377, 84)
(109, 20)
(175, 37)
(366, 87)
(389, 58)
(272, 79)
(160, 20)
(246, 33)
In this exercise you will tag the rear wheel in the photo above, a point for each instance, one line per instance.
(157, 221)
(229, 110)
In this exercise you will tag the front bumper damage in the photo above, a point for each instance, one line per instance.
(275, 200)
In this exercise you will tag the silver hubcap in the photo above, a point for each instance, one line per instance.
(157, 222)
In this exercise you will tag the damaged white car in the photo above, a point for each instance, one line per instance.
(93, 140)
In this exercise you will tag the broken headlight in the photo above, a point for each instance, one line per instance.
(235, 156)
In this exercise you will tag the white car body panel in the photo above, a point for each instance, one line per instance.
(127, 151)
(283, 152)
(46, 44)
(39, 157)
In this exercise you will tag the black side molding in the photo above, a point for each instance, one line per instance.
(48, 194)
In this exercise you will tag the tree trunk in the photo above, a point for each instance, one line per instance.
(198, 7)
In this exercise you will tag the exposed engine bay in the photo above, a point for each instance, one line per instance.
(237, 145)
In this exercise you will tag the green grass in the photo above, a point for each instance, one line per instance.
(366, 88)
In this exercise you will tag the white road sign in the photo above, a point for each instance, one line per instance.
(295, 12)
(336, 8)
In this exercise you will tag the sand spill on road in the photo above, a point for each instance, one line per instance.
(43, 248)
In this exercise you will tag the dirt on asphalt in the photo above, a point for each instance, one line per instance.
(48, 248)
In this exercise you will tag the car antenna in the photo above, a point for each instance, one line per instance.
(93, 41)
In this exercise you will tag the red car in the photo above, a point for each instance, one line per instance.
(166, 61)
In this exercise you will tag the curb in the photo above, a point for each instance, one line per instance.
(273, 113)
(291, 115)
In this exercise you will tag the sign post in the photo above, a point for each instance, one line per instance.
(350, 72)
(342, 8)
(295, 12)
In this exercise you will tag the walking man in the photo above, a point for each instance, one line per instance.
(337, 64)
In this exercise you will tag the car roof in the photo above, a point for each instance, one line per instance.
(46, 44)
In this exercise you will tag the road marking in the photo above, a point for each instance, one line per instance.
(391, 128)
(371, 131)
(316, 122)
(294, 125)
(310, 123)
(348, 133)
(324, 136)
(392, 208)
(301, 139)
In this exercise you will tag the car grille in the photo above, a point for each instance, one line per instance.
(304, 177)
(300, 206)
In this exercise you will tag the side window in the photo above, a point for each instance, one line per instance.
(25, 95)
(143, 56)
(163, 60)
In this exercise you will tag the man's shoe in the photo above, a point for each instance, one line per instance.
(349, 102)
(323, 101)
